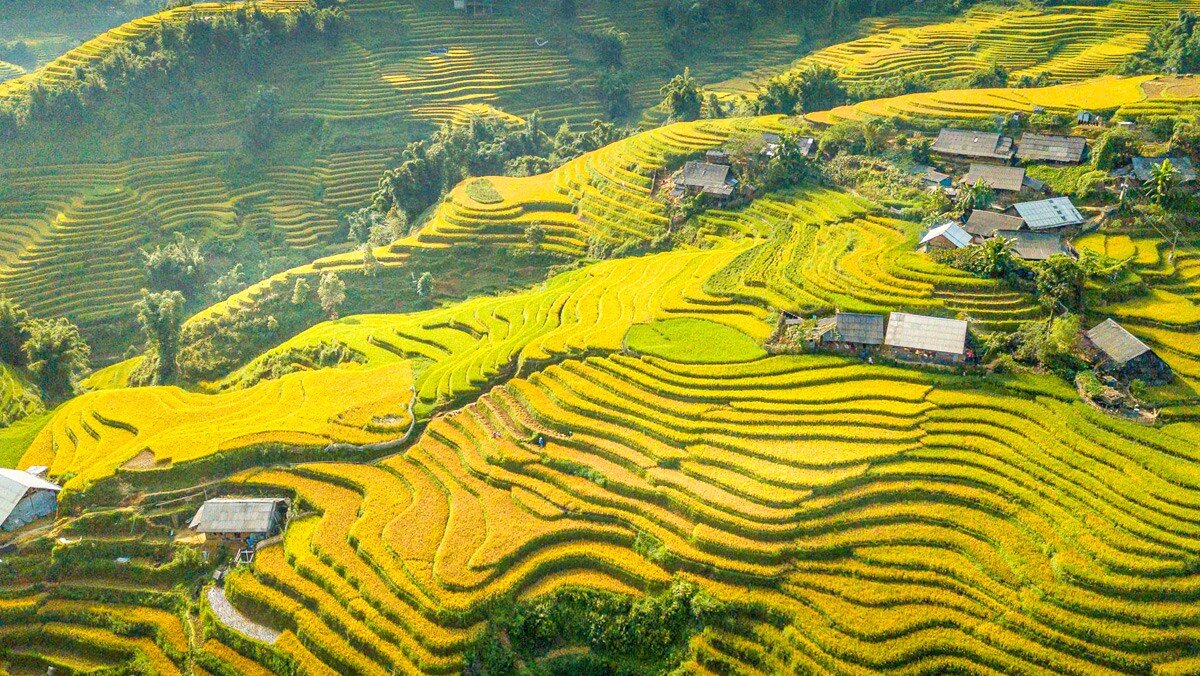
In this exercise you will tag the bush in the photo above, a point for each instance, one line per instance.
(481, 190)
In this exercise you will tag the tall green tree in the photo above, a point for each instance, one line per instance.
(331, 293)
(1060, 281)
(161, 316)
(682, 97)
(994, 257)
(820, 88)
(56, 354)
(14, 331)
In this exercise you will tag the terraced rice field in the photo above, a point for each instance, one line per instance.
(824, 250)
(1125, 95)
(605, 194)
(1168, 317)
(1068, 42)
(97, 433)
(823, 499)
(57, 212)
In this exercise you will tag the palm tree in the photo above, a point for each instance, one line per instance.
(994, 258)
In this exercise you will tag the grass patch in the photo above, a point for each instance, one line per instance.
(481, 190)
(694, 341)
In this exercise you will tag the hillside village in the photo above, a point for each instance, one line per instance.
(489, 336)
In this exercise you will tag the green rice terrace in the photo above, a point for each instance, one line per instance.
(599, 337)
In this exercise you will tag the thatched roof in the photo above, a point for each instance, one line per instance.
(970, 143)
(996, 176)
(987, 223)
(852, 327)
(1051, 148)
(1035, 246)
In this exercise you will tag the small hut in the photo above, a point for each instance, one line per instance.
(949, 235)
(249, 519)
(928, 339)
(1008, 179)
(1121, 353)
(849, 331)
(24, 498)
(1051, 148)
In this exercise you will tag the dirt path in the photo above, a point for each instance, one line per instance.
(235, 620)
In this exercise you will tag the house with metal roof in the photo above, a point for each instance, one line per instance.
(1144, 167)
(1009, 179)
(984, 223)
(240, 518)
(932, 178)
(974, 144)
(926, 338)
(707, 178)
(1119, 352)
(24, 498)
(1051, 148)
(1036, 246)
(949, 235)
(1056, 212)
(849, 331)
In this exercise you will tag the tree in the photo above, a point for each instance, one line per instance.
(161, 317)
(779, 96)
(425, 285)
(1163, 186)
(263, 119)
(789, 166)
(978, 195)
(993, 258)
(300, 291)
(609, 46)
(612, 90)
(820, 88)
(56, 355)
(682, 97)
(1113, 149)
(370, 264)
(331, 293)
(1059, 280)
(179, 265)
(229, 283)
(14, 331)
(535, 235)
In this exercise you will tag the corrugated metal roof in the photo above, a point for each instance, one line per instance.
(1055, 212)
(996, 176)
(951, 231)
(704, 175)
(986, 223)
(932, 334)
(1052, 148)
(1035, 246)
(1116, 343)
(235, 515)
(1143, 167)
(853, 327)
(14, 484)
(970, 143)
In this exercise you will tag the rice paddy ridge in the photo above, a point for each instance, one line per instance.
(823, 250)
(1126, 96)
(95, 50)
(117, 599)
(605, 193)
(98, 433)
(779, 486)
(111, 210)
(1068, 43)
(466, 346)
(1167, 317)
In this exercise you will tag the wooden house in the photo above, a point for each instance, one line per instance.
(248, 519)
(849, 331)
(927, 339)
(1119, 352)
(949, 235)
(1008, 179)
(973, 144)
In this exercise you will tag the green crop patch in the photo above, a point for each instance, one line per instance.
(696, 341)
